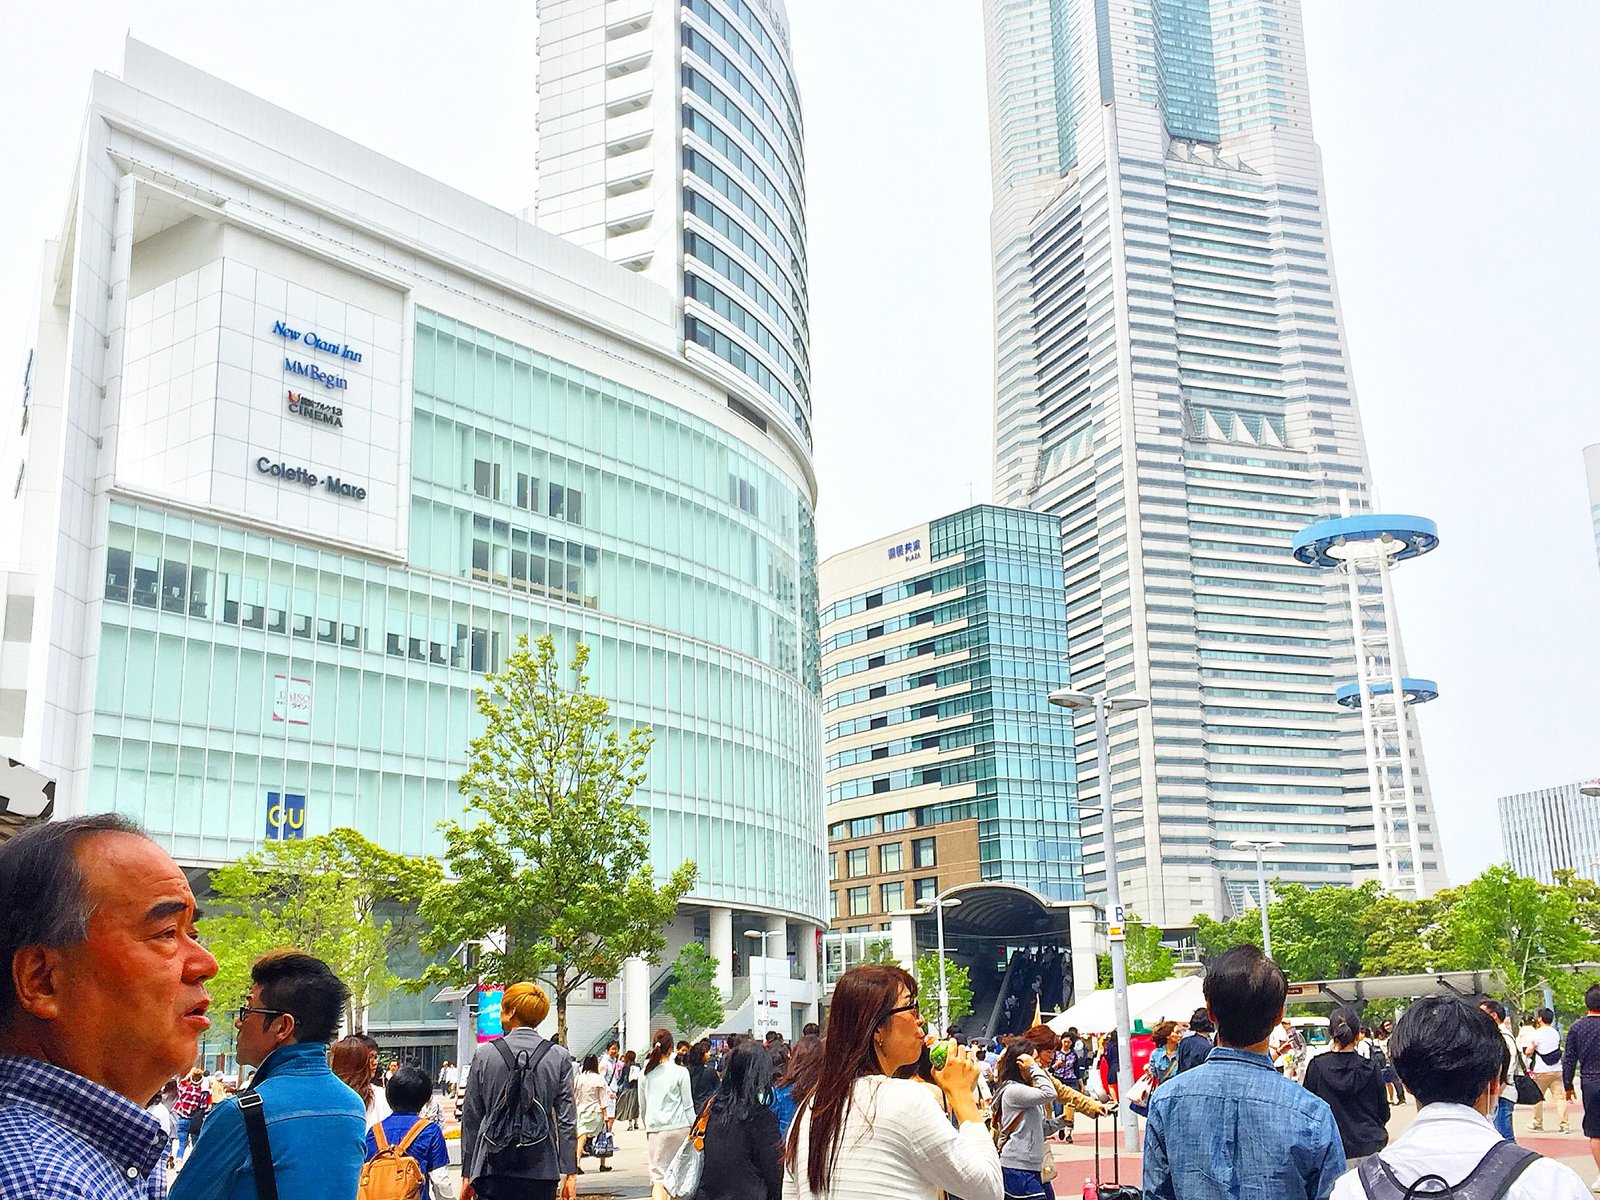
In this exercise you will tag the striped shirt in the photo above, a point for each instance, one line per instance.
(63, 1136)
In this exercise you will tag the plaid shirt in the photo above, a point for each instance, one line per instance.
(190, 1097)
(63, 1136)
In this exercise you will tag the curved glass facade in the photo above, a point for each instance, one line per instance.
(236, 665)
(744, 234)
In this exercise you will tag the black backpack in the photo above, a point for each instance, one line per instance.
(1491, 1179)
(519, 1123)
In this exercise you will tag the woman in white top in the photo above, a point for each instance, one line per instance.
(666, 1106)
(862, 1134)
(589, 1091)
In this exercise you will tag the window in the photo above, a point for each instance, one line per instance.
(922, 853)
(859, 903)
(836, 830)
(863, 827)
(833, 861)
(892, 896)
(891, 857)
(924, 889)
(486, 479)
(855, 862)
(895, 821)
(833, 898)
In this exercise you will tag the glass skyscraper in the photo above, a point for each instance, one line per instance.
(1171, 380)
(945, 763)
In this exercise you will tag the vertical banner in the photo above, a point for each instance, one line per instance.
(286, 817)
(291, 700)
(489, 1026)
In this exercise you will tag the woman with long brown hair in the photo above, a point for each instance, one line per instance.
(862, 1134)
(355, 1060)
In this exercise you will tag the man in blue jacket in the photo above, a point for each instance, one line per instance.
(316, 1126)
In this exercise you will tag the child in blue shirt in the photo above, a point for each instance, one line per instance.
(408, 1093)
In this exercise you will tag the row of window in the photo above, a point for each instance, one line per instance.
(891, 858)
(857, 901)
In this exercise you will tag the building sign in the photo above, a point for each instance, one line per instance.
(597, 990)
(332, 483)
(286, 817)
(313, 409)
(910, 551)
(313, 342)
(291, 700)
(489, 1026)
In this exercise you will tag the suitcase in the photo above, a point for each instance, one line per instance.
(1115, 1190)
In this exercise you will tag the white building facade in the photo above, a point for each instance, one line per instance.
(309, 441)
(1550, 830)
(1591, 474)
(1172, 381)
(670, 141)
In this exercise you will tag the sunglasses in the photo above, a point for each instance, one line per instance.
(895, 1012)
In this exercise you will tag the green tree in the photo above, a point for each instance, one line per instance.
(881, 951)
(1317, 933)
(1148, 959)
(1523, 929)
(337, 896)
(956, 982)
(692, 1000)
(1405, 936)
(552, 873)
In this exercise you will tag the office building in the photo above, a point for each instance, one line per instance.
(945, 764)
(309, 441)
(1171, 380)
(670, 141)
(1550, 830)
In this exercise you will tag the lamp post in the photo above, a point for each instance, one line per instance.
(1261, 849)
(1103, 706)
(939, 904)
(758, 1000)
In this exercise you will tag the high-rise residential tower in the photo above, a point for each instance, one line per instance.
(1171, 380)
(670, 142)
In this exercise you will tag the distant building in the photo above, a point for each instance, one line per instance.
(1591, 470)
(1551, 829)
(945, 763)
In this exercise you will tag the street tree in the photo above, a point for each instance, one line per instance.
(1523, 929)
(338, 896)
(693, 1001)
(551, 863)
(957, 983)
(1146, 959)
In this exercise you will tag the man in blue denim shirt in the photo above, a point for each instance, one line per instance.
(1233, 1128)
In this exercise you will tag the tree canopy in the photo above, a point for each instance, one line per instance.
(552, 872)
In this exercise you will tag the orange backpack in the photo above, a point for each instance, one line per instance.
(392, 1174)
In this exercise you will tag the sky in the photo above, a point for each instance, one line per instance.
(1462, 160)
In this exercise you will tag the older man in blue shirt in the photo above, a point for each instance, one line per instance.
(1233, 1128)
(102, 1000)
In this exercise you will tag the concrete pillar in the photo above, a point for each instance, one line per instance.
(808, 967)
(722, 949)
(1085, 926)
(903, 938)
(636, 1005)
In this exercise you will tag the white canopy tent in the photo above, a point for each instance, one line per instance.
(1165, 1000)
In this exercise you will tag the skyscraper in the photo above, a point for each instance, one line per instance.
(1171, 380)
(670, 141)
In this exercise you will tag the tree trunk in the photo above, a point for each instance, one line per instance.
(561, 1006)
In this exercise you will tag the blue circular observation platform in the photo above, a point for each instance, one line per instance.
(1417, 691)
(1323, 544)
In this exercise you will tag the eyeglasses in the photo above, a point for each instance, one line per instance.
(242, 1013)
(895, 1012)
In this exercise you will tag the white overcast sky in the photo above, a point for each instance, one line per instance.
(1460, 147)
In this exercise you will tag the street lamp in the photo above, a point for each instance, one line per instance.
(1103, 706)
(759, 1000)
(939, 904)
(1261, 849)
(1590, 787)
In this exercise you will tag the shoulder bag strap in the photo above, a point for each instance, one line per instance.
(411, 1134)
(499, 1044)
(378, 1137)
(255, 1128)
(1496, 1171)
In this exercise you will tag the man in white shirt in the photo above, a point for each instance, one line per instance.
(1450, 1056)
(1544, 1064)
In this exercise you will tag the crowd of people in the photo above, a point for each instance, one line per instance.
(99, 935)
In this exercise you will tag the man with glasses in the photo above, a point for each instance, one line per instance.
(314, 1126)
(102, 1001)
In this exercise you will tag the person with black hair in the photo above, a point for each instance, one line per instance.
(702, 1076)
(1196, 1045)
(315, 1126)
(1582, 1057)
(743, 1147)
(1233, 1127)
(1544, 1061)
(408, 1093)
(1352, 1084)
(1510, 1069)
(1451, 1057)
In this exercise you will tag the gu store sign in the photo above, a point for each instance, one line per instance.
(286, 817)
